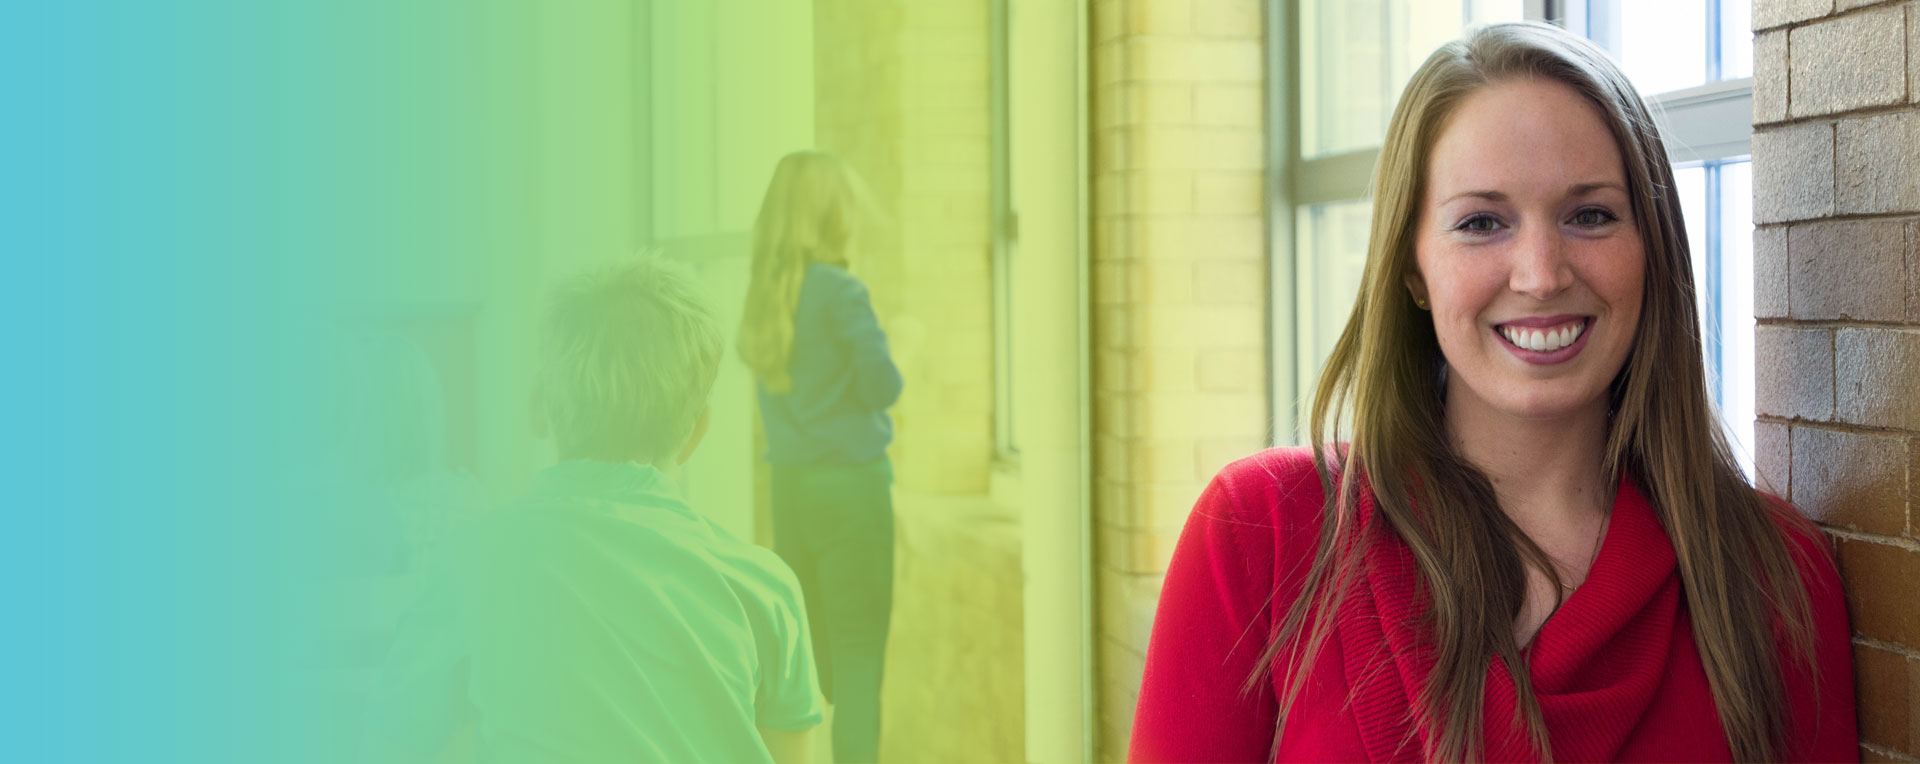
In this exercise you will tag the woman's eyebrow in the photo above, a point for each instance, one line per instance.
(1582, 189)
(1492, 196)
(1577, 189)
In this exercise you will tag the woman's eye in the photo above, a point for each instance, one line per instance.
(1479, 224)
(1593, 216)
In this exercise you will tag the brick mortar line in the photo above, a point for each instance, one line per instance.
(1122, 216)
(1902, 106)
(1837, 323)
(1155, 78)
(1200, 36)
(1792, 25)
(1134, 128)
(1891, 647)
(1159, 575)
(1887, 752)
(1910, 545)
(1142, 529)
(1842, 217)
(1127, 129)
(1846, 427)
(1109, 569)
(1834, 324)
(1110, 637)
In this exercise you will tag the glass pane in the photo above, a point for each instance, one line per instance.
(1691, 184)
(1662, 44)
(1736, 39)
(1495, 11)
(1332, 254)
(1356, 55)
(1736, 307)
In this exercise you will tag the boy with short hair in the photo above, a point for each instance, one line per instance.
(599, 618)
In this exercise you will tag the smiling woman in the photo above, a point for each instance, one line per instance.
(1523, 259)
(1533, 272)
(1536, 544)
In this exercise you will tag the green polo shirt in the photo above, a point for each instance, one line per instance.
(600, 619)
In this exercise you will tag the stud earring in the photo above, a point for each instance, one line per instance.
(1422, 303)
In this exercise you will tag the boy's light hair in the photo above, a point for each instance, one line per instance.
(628, 356)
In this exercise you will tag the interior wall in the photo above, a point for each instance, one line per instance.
(1179, 297)
(902, 97)
(1836, 150)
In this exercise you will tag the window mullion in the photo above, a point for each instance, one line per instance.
(1284, 131)
(1710, 320)
(1333, 178)
(1714, 41)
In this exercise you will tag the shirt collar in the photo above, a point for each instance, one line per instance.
(622, 482)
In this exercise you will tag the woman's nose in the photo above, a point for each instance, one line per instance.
(1540, 267)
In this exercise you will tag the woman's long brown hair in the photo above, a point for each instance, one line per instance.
(1734, 564)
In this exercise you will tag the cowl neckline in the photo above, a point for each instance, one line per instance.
(1595, 663)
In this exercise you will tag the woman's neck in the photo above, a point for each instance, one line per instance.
(1546, 472)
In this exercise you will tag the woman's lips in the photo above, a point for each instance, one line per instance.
(1545, 341)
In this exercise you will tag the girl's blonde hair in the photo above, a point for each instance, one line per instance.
(807, 217)
(1734, 563)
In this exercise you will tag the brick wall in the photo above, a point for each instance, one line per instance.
(1179, 294)
(901, 94)
(1836, 152)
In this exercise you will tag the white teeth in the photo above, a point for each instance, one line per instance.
(1543, 341)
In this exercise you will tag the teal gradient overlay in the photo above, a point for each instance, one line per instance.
(233, 230)
(200, 194)
(139, 225)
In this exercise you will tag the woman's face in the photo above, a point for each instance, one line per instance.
(1527, 251)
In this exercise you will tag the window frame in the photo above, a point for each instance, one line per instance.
(1005, 231)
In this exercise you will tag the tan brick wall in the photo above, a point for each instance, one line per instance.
(1179, 295)
(1836, 156)
(901, 94)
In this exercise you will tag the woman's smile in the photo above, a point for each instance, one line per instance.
(1544, 341)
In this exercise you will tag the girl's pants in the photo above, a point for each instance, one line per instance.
(833, 524)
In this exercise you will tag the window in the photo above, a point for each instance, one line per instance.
(1336, 89)
(1358, 54)
(1353, 57)
(1693, 60)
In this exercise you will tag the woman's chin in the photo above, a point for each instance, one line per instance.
(1552, 408)
(1538, 401)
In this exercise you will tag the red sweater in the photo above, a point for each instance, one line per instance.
(1614, 668)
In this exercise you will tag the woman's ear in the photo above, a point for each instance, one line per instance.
(1417, 287)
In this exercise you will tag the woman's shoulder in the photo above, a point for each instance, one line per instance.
(1811, 553)
(1283, 474)
(1806, 544)
(1821, 703)
(1278, 489)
